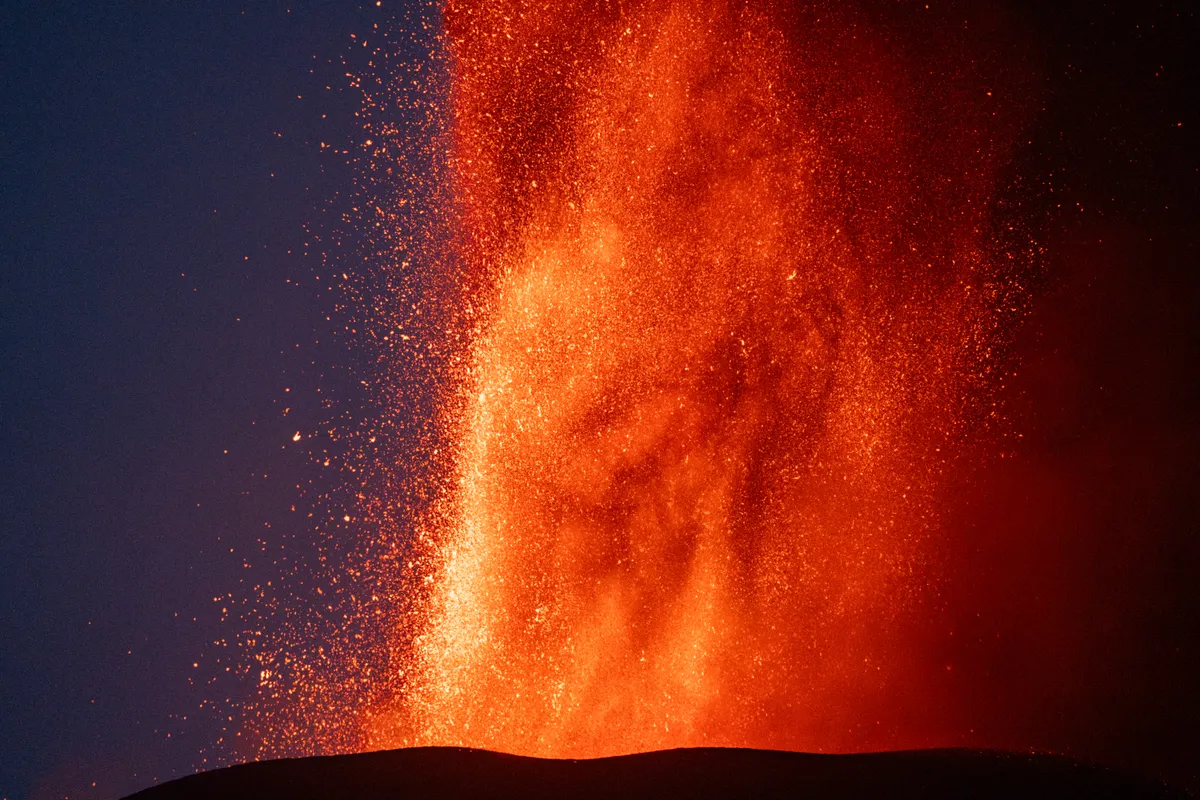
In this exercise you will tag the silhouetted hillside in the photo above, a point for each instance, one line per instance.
(435, 772)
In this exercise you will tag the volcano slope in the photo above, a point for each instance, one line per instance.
(437, 772)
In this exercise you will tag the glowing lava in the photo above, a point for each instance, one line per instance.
(731, 301)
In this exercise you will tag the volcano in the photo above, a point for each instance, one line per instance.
(436, 772)
(771, 401)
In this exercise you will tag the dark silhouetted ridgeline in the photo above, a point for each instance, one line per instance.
(435, 772)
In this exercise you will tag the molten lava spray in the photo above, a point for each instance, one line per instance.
(731, 291)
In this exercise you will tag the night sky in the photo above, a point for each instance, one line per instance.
(159, 163)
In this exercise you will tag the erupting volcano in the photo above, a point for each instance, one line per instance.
(730, 295)
(749, 375)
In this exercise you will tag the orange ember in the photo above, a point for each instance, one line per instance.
(731, 308)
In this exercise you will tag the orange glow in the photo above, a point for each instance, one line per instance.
(732, 308)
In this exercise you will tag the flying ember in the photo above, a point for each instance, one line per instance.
(727, 305)
(733, 297)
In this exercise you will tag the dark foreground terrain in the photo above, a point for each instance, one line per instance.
(431, 772)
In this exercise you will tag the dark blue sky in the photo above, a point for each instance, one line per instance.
(159, 162)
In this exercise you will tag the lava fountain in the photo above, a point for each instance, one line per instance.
(734, 303)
